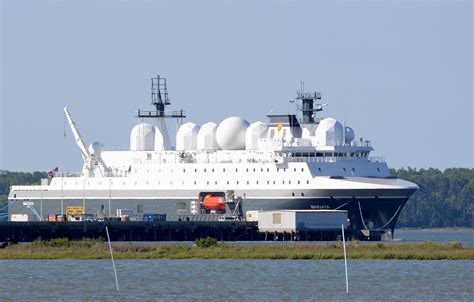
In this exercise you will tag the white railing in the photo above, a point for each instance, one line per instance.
(376, 159)
(67, 174)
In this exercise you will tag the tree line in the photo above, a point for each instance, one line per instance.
(445, 198)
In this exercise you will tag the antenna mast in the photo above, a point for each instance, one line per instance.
(307, 106)
(160, 99)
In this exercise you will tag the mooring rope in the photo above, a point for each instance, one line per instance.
(382, 227)
(342, 205)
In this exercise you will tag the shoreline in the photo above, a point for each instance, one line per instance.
(92, 249)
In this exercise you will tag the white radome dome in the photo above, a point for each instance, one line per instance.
(230, 134)
(186, 137)
(329, 132)
(206, 138)
(142, 137)
(349, 135)
(254, 133)
(96, 148)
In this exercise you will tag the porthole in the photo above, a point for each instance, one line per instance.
(319, 169)
(307, 182)
(246, 170)
(257, 182)
(195, 170)
(268, 182)
(212, 170)
(353, 169)
(268, 169)
(273, 182)
(293, 194)
(216, 182)
(194, 182)
(302, 169)
(236, 170)
(295, 169)
(223, 170)
(254, 169)
(283, 182)
(289, 182)
(299, 182)
(184, 170)
(207, 182)
(302, 194)
(248, 182)
(378, 169)
(227, 182)
(204, 170)
(237, 182)
(344, 169)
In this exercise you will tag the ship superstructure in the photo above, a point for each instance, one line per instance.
(291, 162)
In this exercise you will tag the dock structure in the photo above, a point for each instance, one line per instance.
(161, 231)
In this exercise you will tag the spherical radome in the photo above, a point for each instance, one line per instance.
(96, 148)
(349, 135)
(230, 134)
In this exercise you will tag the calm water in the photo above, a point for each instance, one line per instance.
(235, 280)
(247, 280)
(465, 236)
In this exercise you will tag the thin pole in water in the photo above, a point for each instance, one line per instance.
(345, 257)
(112, 255)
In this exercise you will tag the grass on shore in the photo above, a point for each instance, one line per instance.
(89, 249)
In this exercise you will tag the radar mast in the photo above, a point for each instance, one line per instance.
(309, 105)
(160, 99)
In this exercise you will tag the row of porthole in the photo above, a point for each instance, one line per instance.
(195, 183)
(223, 170)
(247, 170)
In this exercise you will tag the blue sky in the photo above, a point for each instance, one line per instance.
(400, 72)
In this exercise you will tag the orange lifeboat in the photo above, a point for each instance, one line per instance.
(213, 202)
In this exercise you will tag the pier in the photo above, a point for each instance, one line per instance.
(157, 231)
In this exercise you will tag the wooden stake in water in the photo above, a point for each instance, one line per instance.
(112, 255)
(345, 257)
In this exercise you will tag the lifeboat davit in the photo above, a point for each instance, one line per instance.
(213, 202)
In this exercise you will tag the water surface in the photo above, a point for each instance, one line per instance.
(235, 280)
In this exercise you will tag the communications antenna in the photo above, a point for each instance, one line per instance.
(309, 105)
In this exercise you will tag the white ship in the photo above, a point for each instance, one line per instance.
(291, 162)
